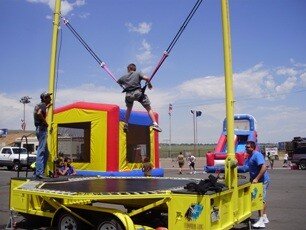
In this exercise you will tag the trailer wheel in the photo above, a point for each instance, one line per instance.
(9, 167)
(109, 224)
(68, 221)
(303, 165)
(16, 166)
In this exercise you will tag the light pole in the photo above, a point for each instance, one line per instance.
(24, 100)
(170, 114)
(195, 114)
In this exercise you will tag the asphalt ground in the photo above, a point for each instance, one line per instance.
(286, 199)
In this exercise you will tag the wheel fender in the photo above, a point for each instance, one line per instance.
(55, 216)
(121, 216)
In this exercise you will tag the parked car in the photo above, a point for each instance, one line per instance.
(296, 150)
(15, 158)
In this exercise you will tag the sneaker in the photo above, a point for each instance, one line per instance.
(126, 128)
(156, 128)
(265, 219)
(259, 223)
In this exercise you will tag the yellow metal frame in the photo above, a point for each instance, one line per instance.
(28, 197)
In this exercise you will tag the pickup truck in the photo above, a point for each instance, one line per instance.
(15, 158)
(296, 150)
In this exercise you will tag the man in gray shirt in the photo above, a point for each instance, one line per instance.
(132, 87)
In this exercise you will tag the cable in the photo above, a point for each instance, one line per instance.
(92, 53)
(173, 42)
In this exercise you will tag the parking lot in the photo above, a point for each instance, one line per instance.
(286, 195)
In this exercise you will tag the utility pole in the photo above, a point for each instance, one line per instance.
(24, 100)
(195, 114)
(170, 141)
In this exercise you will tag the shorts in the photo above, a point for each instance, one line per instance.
(265, 188)
(136, 95)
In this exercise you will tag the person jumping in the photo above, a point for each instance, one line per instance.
(132, 86)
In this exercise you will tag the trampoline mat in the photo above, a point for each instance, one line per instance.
(117, 185)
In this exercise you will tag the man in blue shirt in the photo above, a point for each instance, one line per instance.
(258, 174)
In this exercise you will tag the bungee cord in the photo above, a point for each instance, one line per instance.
(173, 42)
(161, 61)
(101, 63)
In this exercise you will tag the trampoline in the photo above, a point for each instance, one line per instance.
(116, 185)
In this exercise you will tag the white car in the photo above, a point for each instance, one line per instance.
(15, 158)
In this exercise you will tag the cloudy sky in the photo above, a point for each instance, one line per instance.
(268, 50)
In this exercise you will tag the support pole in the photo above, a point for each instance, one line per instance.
(231, 179)
(170, 139)
(50, 140)
(194, 132)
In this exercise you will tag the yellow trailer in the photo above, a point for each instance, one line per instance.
(131, 203)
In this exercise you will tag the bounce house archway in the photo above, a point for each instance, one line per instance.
(92, 135)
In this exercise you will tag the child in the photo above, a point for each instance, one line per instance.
(61, 167)
(147, 167)
(71, 170)
(132, 87)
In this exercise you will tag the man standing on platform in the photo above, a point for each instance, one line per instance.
(40, 114)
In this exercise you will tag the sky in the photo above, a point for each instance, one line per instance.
(268, 57)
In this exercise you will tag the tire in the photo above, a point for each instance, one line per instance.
(303, 164)
(68, 221)
(109, 224)
(16, 166)
(9, 167)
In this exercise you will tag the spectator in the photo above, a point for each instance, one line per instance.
(181, 162)
(258, 174)
(191, 162)
(147, 167)
(71, 170)
(60, 168)
(271, 158)
(285, 164)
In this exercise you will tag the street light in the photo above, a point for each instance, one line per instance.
(170, 140)
(24, 100)
(195, 114)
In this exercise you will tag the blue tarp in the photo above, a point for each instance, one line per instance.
(158, 172)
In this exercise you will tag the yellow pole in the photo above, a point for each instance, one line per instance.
(56, 25)
(231, 162)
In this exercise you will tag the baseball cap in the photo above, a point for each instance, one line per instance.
(45, 95)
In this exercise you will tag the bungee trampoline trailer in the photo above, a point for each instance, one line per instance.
(132, 203)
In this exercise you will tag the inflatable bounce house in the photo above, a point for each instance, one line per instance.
(245, 130)
(92, 135)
